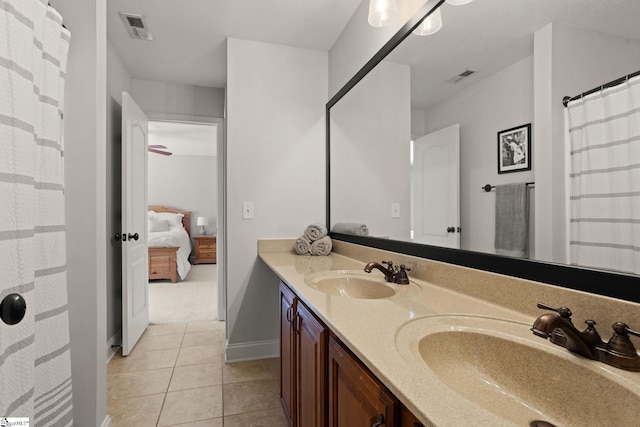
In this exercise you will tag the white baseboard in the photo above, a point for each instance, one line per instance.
(106, 422)
(111, 351)
(252, 350)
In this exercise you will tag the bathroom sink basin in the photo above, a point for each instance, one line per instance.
(357, 284)
(501, 367)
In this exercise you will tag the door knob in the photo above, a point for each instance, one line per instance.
(133, 236)
(12, 309)
(117, 237)
(451, 229)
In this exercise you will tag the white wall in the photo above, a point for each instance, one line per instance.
(174, 98)
(370, 165)
(187, 183)
(276, 159)
(568, 62)
(118, 80)
(501, 101)
(85, 190)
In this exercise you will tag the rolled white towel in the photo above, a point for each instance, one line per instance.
(353, 228)
(315, 231)
(322, 246)
(303, 246)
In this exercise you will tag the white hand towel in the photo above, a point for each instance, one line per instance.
(322, 246)
(303, 246)
(512, 220)
(315, 232)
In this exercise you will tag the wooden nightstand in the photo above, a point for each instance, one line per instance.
(205, 249)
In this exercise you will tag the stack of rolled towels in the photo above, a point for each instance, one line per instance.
(314, 241)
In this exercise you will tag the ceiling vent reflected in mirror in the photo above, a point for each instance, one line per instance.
(463, 75)
(136, 26)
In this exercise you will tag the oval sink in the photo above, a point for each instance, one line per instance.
(356, 284)
(503, 368)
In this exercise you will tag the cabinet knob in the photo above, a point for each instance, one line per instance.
(379, 422)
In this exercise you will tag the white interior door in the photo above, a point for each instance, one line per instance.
(135, 269)
(436, 188)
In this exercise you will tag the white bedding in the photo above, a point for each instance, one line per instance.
(176, 236)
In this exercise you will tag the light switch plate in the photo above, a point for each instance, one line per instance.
(247, 210)
(395, 210)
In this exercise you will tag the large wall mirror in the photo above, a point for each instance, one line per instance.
(419, 132)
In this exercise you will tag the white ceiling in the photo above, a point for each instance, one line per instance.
(189, 45)
(488, 35)
(184, 139)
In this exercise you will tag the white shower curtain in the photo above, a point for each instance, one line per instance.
(604, 133)
(35, 370)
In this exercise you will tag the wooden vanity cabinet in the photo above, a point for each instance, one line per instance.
(303, 352)
(357, 398)
(322, 383)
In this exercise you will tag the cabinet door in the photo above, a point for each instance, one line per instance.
(287, 354)
(311, 357)
(355, 397)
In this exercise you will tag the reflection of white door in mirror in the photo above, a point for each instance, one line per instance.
(435, 217)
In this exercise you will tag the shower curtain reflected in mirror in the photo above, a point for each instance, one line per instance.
(604, 178)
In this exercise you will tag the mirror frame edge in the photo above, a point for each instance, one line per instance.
(615, 285)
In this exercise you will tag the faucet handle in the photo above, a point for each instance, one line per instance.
(401, 277)
(564, 312)
(620, 342)
(390, 264)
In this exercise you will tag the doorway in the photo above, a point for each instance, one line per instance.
(184, 173)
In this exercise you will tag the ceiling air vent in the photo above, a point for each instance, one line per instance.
(136, 26)
(463, 75)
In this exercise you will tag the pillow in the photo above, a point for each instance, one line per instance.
(173, 218)
(158, 225)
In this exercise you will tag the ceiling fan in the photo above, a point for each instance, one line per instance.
(159, 149)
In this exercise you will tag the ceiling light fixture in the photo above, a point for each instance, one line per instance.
(458, 2)
(382, 13)
(429, 25)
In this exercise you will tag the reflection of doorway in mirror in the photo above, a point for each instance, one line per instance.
(435, 199)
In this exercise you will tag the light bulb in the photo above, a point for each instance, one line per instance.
(382, 12)
(430, 25)
(458, 2)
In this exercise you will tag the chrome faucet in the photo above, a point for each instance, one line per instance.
(559, 329)
(393, 273)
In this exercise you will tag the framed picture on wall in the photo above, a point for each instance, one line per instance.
(514, 149)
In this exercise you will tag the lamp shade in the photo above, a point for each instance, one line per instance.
(382, 12)
(458, 2)
(430, 25)
(202, 221)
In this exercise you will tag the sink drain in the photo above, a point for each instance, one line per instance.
(538, 423)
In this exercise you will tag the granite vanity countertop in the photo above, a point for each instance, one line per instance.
(369, 327)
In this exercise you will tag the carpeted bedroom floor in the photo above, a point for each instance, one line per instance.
(192, 299)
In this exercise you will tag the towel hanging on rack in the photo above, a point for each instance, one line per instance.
(512, 220)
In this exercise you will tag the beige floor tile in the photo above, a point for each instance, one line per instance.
(250, 396)
(198, 355)
(135, 411)
(246, 371)
(213, 422)
(159, 342)
(275, 367)
(191, 405)
(206, 325)
(167, 329)
(194, 339)
(143, 361)
(195, 376)
(141, 383)
(269, 418)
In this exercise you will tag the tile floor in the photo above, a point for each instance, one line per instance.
(176, 376)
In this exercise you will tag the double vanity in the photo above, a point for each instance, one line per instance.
(452, 347)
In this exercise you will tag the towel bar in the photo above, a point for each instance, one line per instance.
(489, 187)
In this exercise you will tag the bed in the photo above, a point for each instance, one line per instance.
(169, 243)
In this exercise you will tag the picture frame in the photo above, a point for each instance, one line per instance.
(514, 149)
